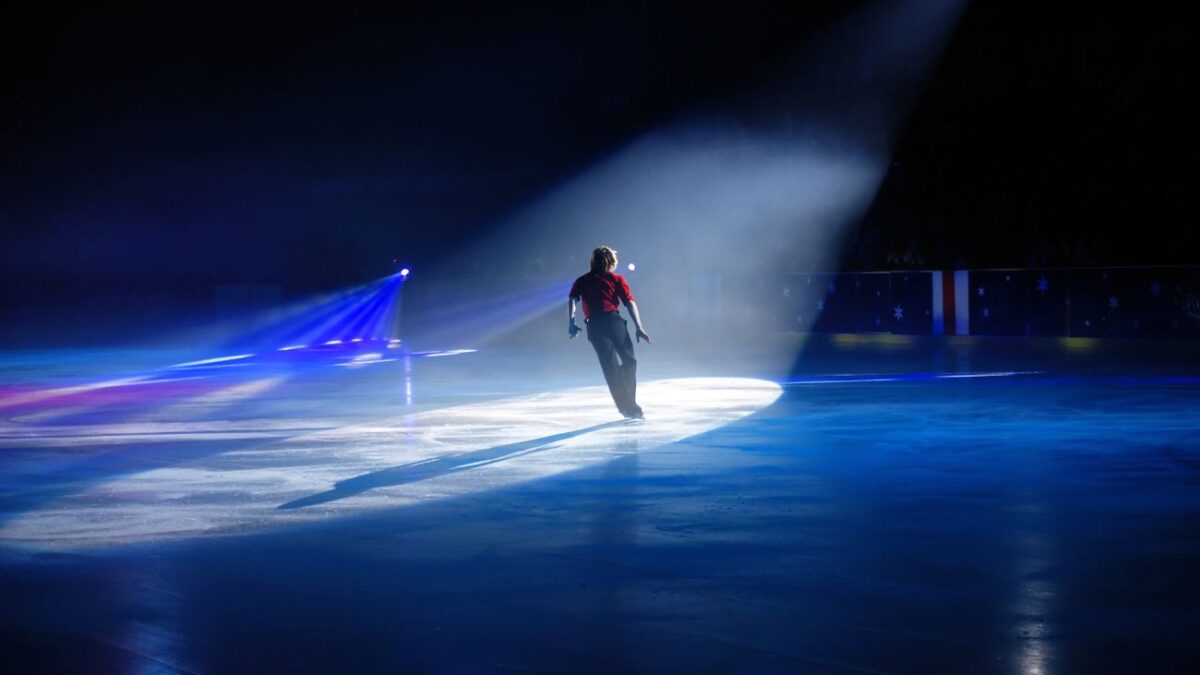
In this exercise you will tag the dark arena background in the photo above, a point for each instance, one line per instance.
(286, 382)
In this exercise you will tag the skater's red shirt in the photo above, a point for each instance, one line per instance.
(601, 292)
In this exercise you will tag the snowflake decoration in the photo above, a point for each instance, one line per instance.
(898, 312)
(1043, 285)
(1113, 302)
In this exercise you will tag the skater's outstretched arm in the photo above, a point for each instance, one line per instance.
(637, 321)
(572, 327)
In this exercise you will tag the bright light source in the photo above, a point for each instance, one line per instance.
(334, 342)
(404, 272)
(291, 347)
(632, 267)
(357, 340)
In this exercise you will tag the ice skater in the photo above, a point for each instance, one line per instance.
(601, 290)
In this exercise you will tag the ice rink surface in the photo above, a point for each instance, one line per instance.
(896, 507)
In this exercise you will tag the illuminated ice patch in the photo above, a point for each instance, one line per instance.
(39, 395)
(219, 359)
(407, 459)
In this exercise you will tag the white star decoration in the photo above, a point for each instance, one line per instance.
(1043, 285)
(981, 291)
(1113, 302)
(987, 313)
(898, 312)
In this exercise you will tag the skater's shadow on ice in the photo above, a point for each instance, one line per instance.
(440, 466)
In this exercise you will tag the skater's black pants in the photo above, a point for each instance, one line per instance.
(609, 335)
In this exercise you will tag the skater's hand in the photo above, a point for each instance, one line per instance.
(572, 329)
(641, 335)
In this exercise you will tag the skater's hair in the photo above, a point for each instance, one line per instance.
(604, 259)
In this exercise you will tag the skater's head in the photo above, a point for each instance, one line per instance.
(604, 259)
